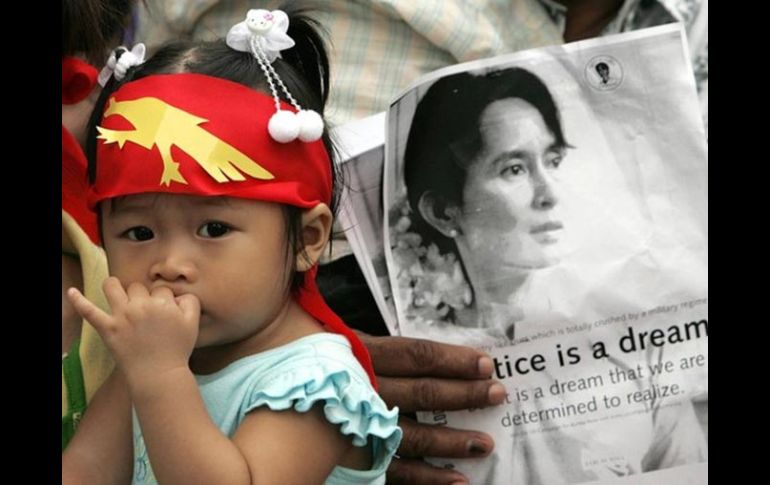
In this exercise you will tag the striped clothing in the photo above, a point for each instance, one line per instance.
(379, 47)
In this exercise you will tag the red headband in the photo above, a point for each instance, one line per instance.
(201, 135)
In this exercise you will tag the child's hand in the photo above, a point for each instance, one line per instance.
(148, 332)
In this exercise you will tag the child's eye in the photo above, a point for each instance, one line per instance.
(213, 229)
(139, 233)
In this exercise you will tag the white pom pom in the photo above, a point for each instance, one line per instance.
(311, 126)
(283, 126)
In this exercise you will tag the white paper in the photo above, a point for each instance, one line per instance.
(361, 145)
(592, 259)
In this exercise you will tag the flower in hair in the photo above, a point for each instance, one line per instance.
(431, 283)
(263, 34)
(119, 66)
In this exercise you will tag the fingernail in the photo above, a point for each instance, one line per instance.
(485, 366)
(462, 481)
(497, 393)
(477, 447)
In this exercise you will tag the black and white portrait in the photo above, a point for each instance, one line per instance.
(530, 211)
(517, 193)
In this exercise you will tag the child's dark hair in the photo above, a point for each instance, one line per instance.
(304, 69)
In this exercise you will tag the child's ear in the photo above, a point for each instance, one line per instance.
(316, 228)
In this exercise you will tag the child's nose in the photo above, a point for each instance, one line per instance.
(174, 267)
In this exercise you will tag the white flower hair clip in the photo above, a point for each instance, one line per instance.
(263, 34)
(118, 67)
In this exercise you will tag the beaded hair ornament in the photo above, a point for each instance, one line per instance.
(263, 33)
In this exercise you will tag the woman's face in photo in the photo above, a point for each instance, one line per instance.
(511, 210)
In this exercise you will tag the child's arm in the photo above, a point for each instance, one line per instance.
(290, 447)
(151, 335)
(101, 450)
(184, 445)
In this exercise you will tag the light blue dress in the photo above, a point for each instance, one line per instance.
(319, 367)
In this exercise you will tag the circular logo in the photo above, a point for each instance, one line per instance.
(604, 73)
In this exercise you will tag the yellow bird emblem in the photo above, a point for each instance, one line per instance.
(157, 123)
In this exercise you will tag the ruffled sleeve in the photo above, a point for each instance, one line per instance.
(349, 400)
